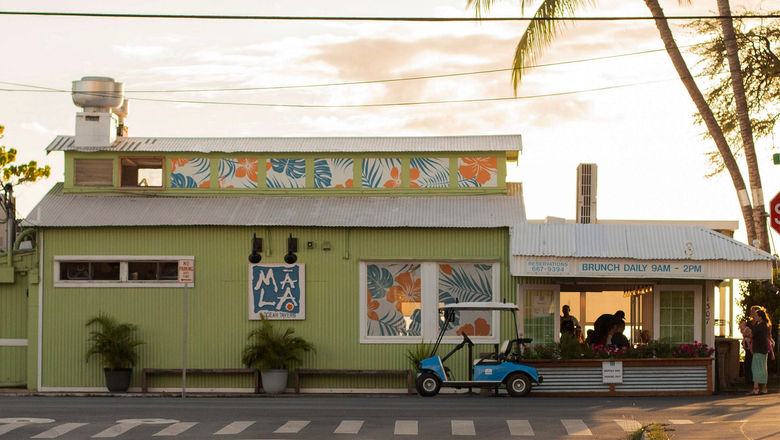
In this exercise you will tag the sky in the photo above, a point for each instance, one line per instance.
(650, 153)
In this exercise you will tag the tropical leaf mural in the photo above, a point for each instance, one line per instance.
(333, 173)
(467, 282)
(429, 172)
(393, 298)
(190, 173)
(381, 173)
(285, 173)
(238, 173)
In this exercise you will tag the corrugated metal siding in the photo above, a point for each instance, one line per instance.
(635, 379)
(13, 324)
(65, 210)
(218, 302)
(645, 242)
(302, 144)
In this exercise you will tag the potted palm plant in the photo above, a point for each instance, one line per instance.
(116, 344)
(273, 352)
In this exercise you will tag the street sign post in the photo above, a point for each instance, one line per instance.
(186, 277)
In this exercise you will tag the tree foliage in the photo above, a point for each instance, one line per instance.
(22, 173)
(760, 63)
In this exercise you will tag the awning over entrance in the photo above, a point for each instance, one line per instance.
(632, 251)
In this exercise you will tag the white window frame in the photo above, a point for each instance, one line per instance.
(556, 291)
(697, 307)
(123, 272)
(429, 282)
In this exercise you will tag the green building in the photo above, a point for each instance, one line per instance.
(379, 231)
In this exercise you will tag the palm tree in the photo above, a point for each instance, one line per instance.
(745, 127)
(540, 33)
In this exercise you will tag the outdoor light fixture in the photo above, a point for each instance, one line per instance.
(292, 247)
(257, 247)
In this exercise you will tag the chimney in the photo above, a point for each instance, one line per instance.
(99, 97)
(586, 193)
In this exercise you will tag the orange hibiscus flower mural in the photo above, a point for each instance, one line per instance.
(482, 169)
(372, 306)
(479, 328)
(406, 289)
(395, 179)
(414, 174)
(176, 163)
(247, 168)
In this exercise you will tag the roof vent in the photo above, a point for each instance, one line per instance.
(586, 192)
(99, 96)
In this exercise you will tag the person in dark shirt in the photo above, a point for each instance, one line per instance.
(619, 340)
(760, 348)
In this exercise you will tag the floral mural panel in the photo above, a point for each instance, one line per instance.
(467, 282)
(190, 173)
(238, 173)
(429, 172)
(393, 299)
(285, 173)
(381, 173)
(475, 172)
(334, 173)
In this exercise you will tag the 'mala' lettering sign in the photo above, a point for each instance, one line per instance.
(277, 291)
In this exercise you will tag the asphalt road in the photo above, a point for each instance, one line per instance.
(385, 417)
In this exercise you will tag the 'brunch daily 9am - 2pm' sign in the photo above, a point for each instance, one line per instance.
(277, 291)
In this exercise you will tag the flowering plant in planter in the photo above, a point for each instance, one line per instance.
(653, 349)
(696, 349)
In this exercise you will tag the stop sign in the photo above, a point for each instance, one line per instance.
(774, 217)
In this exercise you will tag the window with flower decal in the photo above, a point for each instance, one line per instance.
(475, 172)
(400, 300)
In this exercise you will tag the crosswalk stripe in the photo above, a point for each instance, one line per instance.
(520, 427)
(405, 427)
(175, 429)
(292, 427)
(680, 422)
(463, 427)
(576, 427)
(628, 425)
(59, 430)
(116, 430)
(349, 427)
(234, 428)
(8, 427)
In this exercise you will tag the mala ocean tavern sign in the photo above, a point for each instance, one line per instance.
(277, 291)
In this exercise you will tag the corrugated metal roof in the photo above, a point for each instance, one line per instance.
(301, 144)
(642, 242)
(79, 210)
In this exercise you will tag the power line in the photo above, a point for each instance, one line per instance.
(390, 80)
(396, 19)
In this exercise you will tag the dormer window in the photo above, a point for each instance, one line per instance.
(141, 172)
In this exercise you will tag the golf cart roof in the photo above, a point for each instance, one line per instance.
(492, 305)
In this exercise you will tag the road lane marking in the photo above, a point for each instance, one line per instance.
(463, 427)
(520, 427)
(576, 427)
(725, 421)
(116, 430)
(349, 427)
(405, 427)
(175, 429)
(10, 427)
(59, 430)
(234, 428)
(628, 425)
(680, 422)
(292, 427)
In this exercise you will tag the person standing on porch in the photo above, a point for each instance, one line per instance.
(569, 323)
(760, 349)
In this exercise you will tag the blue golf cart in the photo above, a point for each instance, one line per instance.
(503, 367)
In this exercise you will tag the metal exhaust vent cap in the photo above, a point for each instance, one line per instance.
(98, 93)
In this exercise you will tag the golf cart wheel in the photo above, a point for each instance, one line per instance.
(518, 385)
(428, 384)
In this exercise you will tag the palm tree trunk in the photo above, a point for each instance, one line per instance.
(706, 113)
(745, 129)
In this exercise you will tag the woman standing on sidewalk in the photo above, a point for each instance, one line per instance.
(761, 328)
